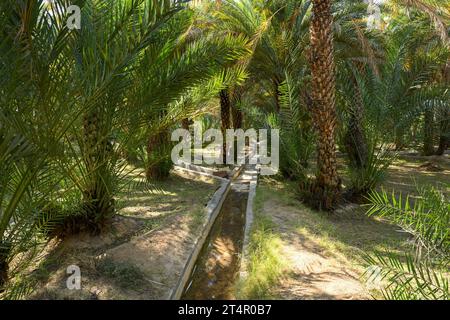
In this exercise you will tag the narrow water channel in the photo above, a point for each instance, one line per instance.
(217, 266)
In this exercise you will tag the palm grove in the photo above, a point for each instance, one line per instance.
(82, 109)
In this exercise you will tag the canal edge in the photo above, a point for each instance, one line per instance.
(213, 208)
(249, 216)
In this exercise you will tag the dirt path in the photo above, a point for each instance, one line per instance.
(314, 273)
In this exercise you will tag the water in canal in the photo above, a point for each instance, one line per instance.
(217, 266)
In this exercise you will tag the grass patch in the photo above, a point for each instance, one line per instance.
(198, 217)
(124, 275)
(265, 264)
(154, 222)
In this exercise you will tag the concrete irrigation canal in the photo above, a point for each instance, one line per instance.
(218, 263)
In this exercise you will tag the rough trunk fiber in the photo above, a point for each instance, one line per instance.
(3, 275)
(225, 109)
(158, 156)
(355, 139)
(99, 203)
(444, 135)
(237, 117)
(5, 249)
(444, 116)
(185, 123)
(236, 112)
(327, 185)
(398, 139)
(428, 132)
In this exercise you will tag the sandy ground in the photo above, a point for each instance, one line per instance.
(141, 256)
(313, 273)
(412, 170)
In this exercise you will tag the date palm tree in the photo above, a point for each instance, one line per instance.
(68, 101)
(36, 111)
(327, 184)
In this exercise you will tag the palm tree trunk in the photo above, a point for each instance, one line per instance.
(398, 139)
(327, 186)
(444, 135)
(224, 109)
(158, 156)
(355, 140)
(236, 113)
(225, 117)
(5, 249)
(98, 200)
(185, 123)
(152, 144)
(444, 115)
(428, 132)
(277, 94)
